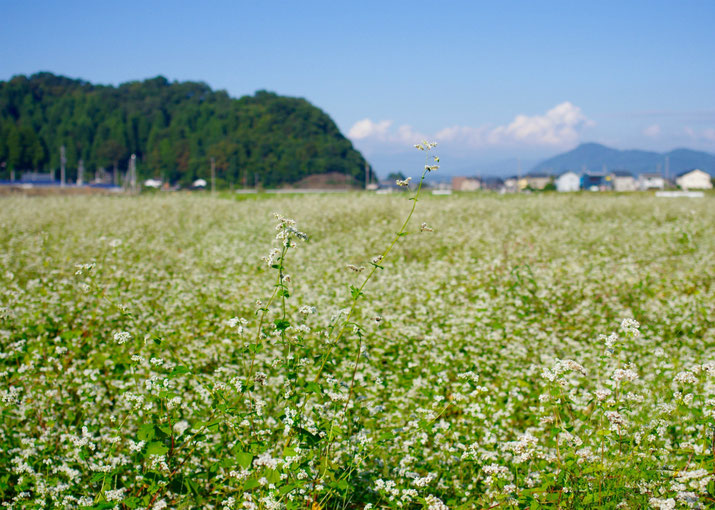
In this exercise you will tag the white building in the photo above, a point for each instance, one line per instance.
(568, 181)
(694, 179)
(651, 181)
(512, 185)
(623, 181)
(152, 183)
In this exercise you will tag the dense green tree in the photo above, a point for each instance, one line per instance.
(174, 128)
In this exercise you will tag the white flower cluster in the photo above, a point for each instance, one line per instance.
(122, 337)
(630, 327)
(560, 368)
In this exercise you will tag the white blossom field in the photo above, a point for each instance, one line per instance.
(189, 351)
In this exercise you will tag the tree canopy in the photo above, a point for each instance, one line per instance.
(174, 128)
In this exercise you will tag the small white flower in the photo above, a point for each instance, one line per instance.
(122, 337)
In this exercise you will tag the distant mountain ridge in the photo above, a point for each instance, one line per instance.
(594, 156)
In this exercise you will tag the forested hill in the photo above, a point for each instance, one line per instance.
(173, 128)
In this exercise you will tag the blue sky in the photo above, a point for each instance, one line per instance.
(490, 81)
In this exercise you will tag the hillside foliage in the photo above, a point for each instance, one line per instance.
(174, 128)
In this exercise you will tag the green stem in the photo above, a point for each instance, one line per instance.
(264, 310)
(355, 299)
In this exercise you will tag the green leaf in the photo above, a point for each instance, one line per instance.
(308, 437)
(244, 459)
(97, 477)
(287, 488)
(273, 476)
(146, 432)
(251, 483)
(282, 324)
(131, 502)
(156, 448)
(179, 369)
(355, 292)
(312, 387)
(386, 436)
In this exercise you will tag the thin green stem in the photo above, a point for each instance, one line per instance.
(264, 310)
(375, 265)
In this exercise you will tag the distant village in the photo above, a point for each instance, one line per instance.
(616, 180)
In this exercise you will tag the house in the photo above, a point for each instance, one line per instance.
(651, 181)
(537, 181)
(466, 184)
(152, 183)
(492, 183)
(568, 181)
(596, 181)
(623, 181)
(694, 179)
(513, 184)
(37, 178)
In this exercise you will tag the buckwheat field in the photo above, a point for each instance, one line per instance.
(190, 351)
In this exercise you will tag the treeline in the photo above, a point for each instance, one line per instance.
(173, 128)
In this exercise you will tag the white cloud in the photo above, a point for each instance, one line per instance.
(652, 131)
(380, 131)
(559, 126)
(366, 128)
(470, 136)
(707, 135)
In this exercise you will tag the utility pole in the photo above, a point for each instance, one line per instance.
(367, 174)
(63, 162)
(132, 171)
(213, 176)
(667, 167)
(80, 173)
(518, 171)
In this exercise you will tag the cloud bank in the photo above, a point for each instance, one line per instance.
(380, 131)
(560, 126)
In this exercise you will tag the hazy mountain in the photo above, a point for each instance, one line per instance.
(593, 156)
